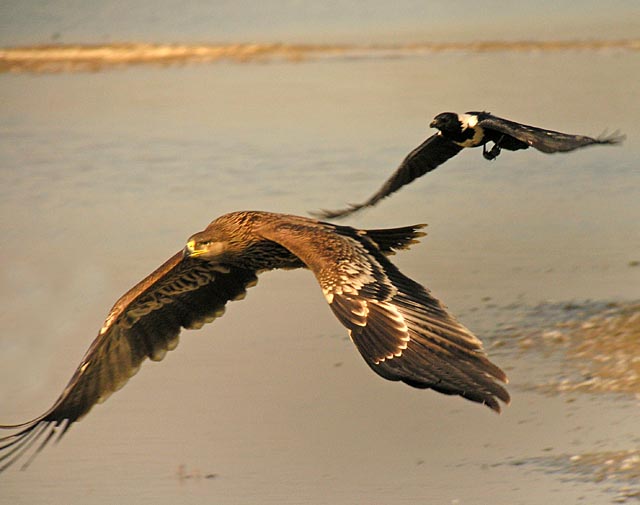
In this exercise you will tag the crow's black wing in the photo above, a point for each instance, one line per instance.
(432, 153)
(144, 323)
(547, 141)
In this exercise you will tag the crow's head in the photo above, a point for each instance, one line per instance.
(448, 123)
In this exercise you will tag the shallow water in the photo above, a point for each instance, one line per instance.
(103, 176)
(100, 21)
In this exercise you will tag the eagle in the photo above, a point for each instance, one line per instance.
(402, 331)
(471, 129)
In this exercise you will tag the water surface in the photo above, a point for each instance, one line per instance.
(104, 175)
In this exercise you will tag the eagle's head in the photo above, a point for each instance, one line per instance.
(227, 237)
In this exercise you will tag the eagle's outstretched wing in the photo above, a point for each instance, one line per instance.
(547, 141)
(429, 155)
(144, 323)
(402, 331)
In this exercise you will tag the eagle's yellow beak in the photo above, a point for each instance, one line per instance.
(209, 249)
(191, 251)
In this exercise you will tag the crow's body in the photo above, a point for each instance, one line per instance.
(472, 129)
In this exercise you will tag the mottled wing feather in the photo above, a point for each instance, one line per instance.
(390, 240)
(411, 337)
(432, 153)
(547, 141)
(144, 323)
(402, 332)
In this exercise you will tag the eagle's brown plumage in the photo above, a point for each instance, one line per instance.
(403, 333)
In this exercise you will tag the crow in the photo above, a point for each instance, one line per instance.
(472, 129)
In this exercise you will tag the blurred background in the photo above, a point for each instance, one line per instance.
(127, 126)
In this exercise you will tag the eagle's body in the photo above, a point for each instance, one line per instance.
(403, 333)
(471, 129)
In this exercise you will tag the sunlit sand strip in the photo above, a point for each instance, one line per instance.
(72, 58)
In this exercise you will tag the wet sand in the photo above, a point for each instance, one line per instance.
(591, 349)
(602, 350)
(105, 175)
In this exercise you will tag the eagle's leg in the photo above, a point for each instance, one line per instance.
(493, 153)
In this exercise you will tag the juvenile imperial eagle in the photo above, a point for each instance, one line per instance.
(403, 333)
(472, 129)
